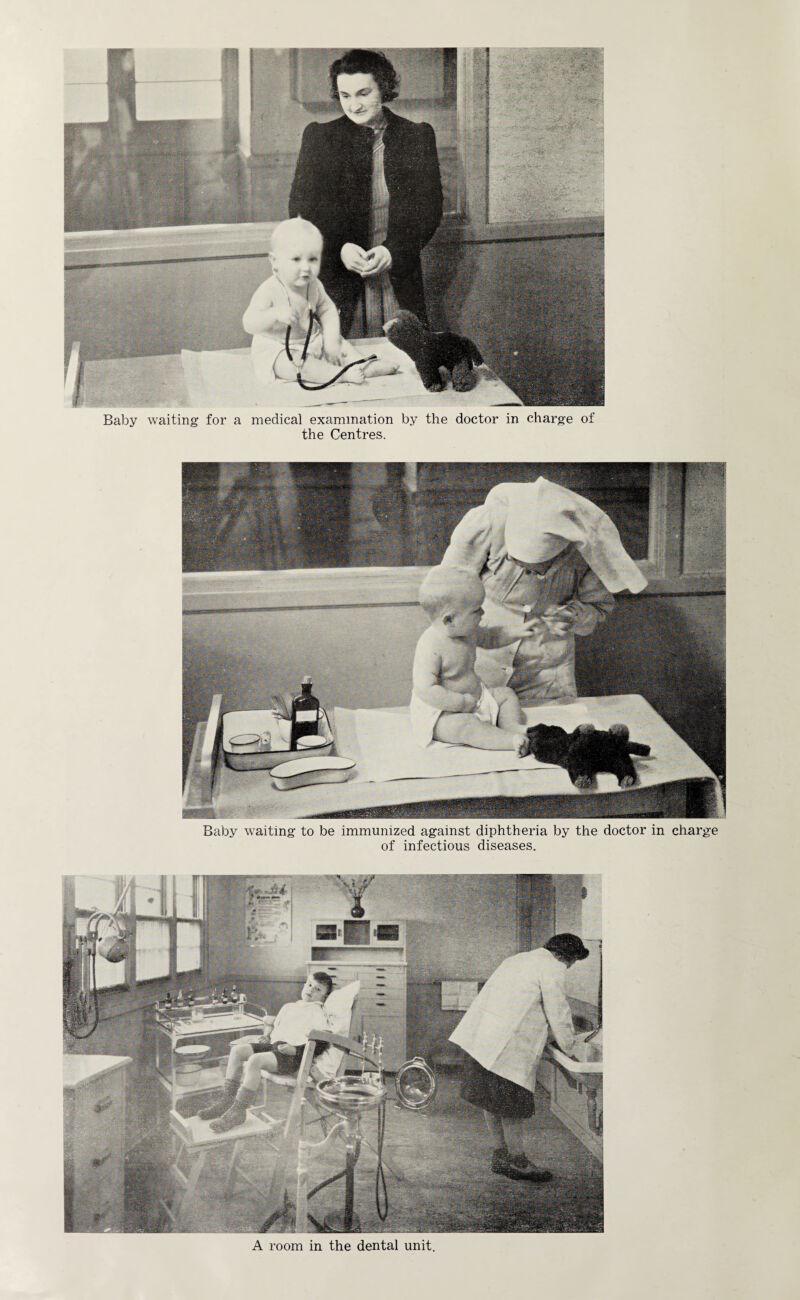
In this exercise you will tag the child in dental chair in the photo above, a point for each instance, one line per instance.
(449, 701)
(279, 1053)
(294, 297)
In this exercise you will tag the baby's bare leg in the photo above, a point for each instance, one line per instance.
(380, 367)
(316, 370)
(510, 715)
(466, 729)
(371, 368)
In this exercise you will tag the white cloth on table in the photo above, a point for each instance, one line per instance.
(226, 379)
(387, 750)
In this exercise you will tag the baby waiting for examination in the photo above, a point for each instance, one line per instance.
(449, 701)
(293, 298)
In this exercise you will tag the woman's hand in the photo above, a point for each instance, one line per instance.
(559, 619)
(378, 259)
(354, 258)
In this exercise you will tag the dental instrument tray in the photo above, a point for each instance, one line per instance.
(259, 738)
(311, 770)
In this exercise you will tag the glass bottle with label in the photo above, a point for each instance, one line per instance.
(305, 714)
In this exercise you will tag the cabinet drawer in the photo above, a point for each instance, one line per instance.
(98, 1195)
(99, 1114)
(393, 1006)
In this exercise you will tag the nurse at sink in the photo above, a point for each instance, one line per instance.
(504, 1033)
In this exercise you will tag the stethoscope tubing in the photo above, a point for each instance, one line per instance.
(315, 388)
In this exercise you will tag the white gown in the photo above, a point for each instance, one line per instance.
(507, 1027)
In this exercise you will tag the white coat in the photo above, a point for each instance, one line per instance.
(506, 1028)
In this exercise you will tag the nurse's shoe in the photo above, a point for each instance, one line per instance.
(520, 1167)
(499, 1160)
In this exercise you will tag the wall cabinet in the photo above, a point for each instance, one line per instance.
(382, 971)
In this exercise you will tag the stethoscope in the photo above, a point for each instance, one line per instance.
(314, 388)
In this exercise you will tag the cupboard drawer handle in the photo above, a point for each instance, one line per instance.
(100, 1106)
(97, 1161)
(101, 1214)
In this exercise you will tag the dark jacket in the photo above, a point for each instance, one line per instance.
(331, 188)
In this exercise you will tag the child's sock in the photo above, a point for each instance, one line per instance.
(225, 1102)
(237, 1114)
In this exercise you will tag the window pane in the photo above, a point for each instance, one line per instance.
(108, 974)
(85, 104)
(317, 515)
(96, 893)
(184, 896)
(150, 896)
(190, 946)
(165, 157)
(178, 101)
(152, 949)
(85, 66)
(178, 65)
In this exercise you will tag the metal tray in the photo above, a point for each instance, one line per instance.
(259, 721)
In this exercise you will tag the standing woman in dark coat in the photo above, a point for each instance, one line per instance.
(370, 182)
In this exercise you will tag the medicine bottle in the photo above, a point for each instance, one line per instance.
(305, 714)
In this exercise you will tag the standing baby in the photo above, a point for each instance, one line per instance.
(294, 298)
(449, 701)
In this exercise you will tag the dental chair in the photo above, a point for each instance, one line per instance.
(195, 1140)
(339, 1102)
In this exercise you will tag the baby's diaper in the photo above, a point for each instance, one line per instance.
(424, 716)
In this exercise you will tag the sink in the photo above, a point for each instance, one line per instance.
(588, 1068)
(577, 1089)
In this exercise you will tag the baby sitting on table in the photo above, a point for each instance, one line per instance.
(449, 701)
(280, 1053)
(294, 298)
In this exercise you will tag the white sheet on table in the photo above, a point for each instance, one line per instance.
(227, 379)
(387, 750)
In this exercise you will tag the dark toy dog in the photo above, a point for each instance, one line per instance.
(431, 352)
(586, 751)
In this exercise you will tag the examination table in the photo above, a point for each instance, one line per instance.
(224, 379)
(673, 782)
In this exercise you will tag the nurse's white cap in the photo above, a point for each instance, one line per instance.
(543, 518)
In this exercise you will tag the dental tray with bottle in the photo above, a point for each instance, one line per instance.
(245, 756)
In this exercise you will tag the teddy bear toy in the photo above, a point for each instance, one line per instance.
(433, 352)
(587, 751)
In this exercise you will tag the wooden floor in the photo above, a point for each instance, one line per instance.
(444, 1154)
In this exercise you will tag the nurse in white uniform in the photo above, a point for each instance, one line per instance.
(549, 561)
(504, 1033)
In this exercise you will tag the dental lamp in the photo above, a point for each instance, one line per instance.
(112, 945)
